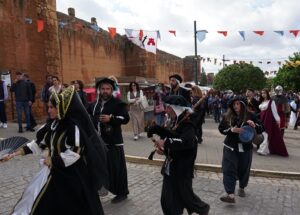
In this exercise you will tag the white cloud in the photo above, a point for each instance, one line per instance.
(213, 15)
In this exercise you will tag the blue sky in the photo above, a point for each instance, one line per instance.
(212, 15)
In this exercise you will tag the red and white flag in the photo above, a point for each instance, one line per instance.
(144, 39)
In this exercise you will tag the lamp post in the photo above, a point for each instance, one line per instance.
(195, 38)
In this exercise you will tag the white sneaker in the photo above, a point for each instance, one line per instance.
(136, 138)
(4, 125)
(1, 124)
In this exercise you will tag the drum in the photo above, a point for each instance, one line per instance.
(248, 135)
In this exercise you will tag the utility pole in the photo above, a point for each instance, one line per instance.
(224, 60)
(196, 57)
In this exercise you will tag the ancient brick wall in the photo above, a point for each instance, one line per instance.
(72, 52)
(23, 48)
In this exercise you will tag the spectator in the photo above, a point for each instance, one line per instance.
(134, 97)
(45, 93)
(3, 97)
(159, 108)
(79, 89)
(33, 91)
(23, 97)
(56, 87)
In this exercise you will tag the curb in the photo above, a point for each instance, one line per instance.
(218, 169)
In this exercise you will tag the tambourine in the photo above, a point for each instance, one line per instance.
(248, 135)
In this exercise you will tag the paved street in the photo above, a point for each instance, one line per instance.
(264, 195)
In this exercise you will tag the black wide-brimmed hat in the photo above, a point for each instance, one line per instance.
(177, 77)
(106, 81)
(178, 103)
(241, 99)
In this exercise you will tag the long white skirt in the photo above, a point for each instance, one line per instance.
(264, 146)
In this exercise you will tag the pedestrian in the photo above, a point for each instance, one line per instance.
(237, 155)
(176, 89)
(108, 114)
(159, 108)
(3, 98)
(24, 98)
(295, 110)
(273, 142)
(79, 89)
(252, 103)
(45, 93)
(33, 92)
(179, 145)
(283, 107)
(117, 91)
(73, 159)
(56, 85)
(134, 98)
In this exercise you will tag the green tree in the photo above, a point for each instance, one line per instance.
(239, 77)
(288, 75)
(203, 80)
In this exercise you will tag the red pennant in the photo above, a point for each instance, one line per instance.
(40, 25)
(223, 32)
(141, 34)
(78, 26)
(173, 32)
(112, 31)
(294, 32)
(260, 33)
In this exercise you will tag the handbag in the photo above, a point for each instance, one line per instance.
(144, 103)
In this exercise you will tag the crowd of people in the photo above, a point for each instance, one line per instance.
(82, 145)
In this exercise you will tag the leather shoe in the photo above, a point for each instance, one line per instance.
(241, 192)
(118, 199)
(227, 199)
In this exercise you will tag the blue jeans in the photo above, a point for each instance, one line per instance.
(160, 119)
(20, 106)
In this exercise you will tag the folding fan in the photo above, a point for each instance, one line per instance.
(11, 144)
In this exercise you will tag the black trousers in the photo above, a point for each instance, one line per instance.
(177, 194)
(2, 112)
(236, 166)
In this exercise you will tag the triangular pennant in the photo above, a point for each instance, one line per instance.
(201, 35)
(128, 32)
(173, 32)
(223, 32)
(62, 24)
(242, 33)
(141, 34)
(40, 25)
(28, 20)
(112, 31)
(260, 33)
(251, 62)
(279, 63)
(260, 62)
(95, 27)
(294, 32)
(280, 32)
(215, 61)
(268, 62)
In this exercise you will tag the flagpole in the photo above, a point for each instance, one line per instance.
(195, 37)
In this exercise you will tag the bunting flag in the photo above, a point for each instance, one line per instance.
(28, 21)
(223, 32)
(242, 33)
(112, 32)
(251, 62)
(279, 63)
(173, 32)
(280, 32)
(294, 32)
(260, 62)
(260, 33)
(95, 27)
(144, 39)
(62, 24)
(268, 62)
(215, 61)
(40, 25)
(201, 35)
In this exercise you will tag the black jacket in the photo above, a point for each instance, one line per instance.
(232, 139)
(22, 90)
(181, 147)
(111, 132)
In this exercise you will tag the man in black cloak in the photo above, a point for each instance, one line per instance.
(108, 114)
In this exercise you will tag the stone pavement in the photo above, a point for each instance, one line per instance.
(210, 152)
(265, 196)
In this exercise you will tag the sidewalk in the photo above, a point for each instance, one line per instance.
(209, 152)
